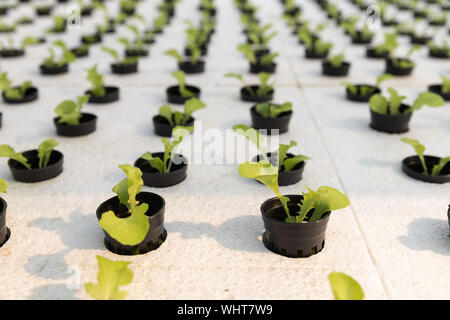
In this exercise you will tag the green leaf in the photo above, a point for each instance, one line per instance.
(68, 112)
(180, 76)
(395, 101)
(192, 105)
(96, 81)
(350, 87)
(128, 188)
(3, 186)
(445, 84)
(337, 60)
(165, 111)
(235, 75)
(124, 41)
(28, 41)
(45, 150)
(383, 77)
(178, 134)
(111, 275)
(263, 109)
(264, 172)
(438, 168)
(174, 53)
(114, 54)
(345, 287)
(155, 163)
(420, 150)
(379, 104)
(8, 152)
(5, 83)
(290, 163)
(247, 51)
(282, 152)
(428, 99)
(253, 136)
(275, 110)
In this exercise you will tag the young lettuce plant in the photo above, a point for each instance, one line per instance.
(181, 79)
(132, 229)
(96, 80)
(3, 186)
(442, 50)
(120, 61)
(45, 150)
(27, 41)
(336, 60)
(16, 92)
(345, 287)
(165, 164)
(66, 57)
(59, 24)
(315, 204)
(264, 87)
(280, 158)
(405, 62)
(177, 118)
(69, 111)
(111, 275)
(445, 88)
(193, 57)
(270, 110)
(394, 105)
(389, 45)
(420, 150)
(317, 46)
(366, 90)
(249, 53)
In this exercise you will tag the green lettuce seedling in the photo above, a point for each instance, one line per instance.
(96, 80)
(111, 275)
(181, 79)
(45, 150)
(115, 55)
(260, 36)
(316, 45)
(336, 60)
(59, 24)
(444, 47)
(265, 60)
(389, 45)
(283, 163)
(264, 87)
(177, 118)
(345, 287)
(420, 150)
(445, 84)
(193, 57)
(66, 57)
(15, 93)
(9, 45)
(3, 186)
(160, 21)
(132, 229)
(315, 204)
(69, 111)
(405, 63)
(382, 105)
(270, 110)
(350, 26)
(164, 165)
(6, 28)
(367, 90)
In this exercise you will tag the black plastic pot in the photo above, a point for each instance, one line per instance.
(389, 23)
(97, 38)
(86, 11)
(54, 70)
(1, 118)
(413, 168)
(11, 53)
(329, 70)
(440, 54)
(190, 68)
(44, 11)
(422, 40)
(87, 125)
(448, 215)
(358, 39)
(124, 68)
(31, 94)
(392, 69)
(437, 88)
(36, 174)
(285, 178)
(5, 233)
(163, 128)
(276, 125)
(258, 67)
(79, 52)
(136, 53)
(111, 95)
(359, 97)
(390, 123)
(156, 234)
(294, 240)
(203, 50)
(371, 53)
(4, 10)
(246, 95)
(312, 54)
(154, 178)
(174, 95)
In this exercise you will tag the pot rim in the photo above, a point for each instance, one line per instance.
(58, 153)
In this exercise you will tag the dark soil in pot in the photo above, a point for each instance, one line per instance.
(294, 240)
(391, 123)
(360, 98)
(439, 54)
(285, 178)
(91, 39)
(190, 68)
(329, 70)
(31, 94)
(87, 125)
(111, 95)
(413, 168)
(124, 68)
(358, 39)
(80, 52)
(54, 70)
(247, 96)
(5, 233)
(258, 67)
(276, 125)
(36, 174)
(44, 11)
(395, 70)
(174, 95)
(136, 53)
(371, 53)
(154, 178)
(163, 128)
(11, 53)
(156, 234)
(437, 88)
(312, 54)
